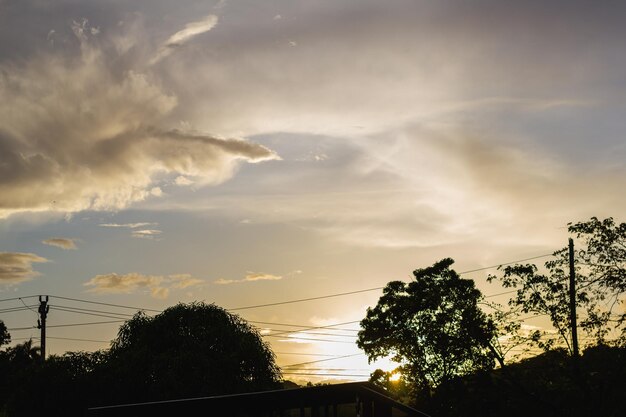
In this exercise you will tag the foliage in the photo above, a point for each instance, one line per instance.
(63, 385)
(16, 365)
(395, 383)
(5, 337)
(189, 350)
(545, 387)
(432, 326)
(600, 265)
(186, 351)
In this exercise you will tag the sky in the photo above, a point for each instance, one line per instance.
(244, 153)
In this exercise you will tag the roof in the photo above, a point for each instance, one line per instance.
(266, 400)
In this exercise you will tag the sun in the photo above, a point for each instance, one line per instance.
(395, 377)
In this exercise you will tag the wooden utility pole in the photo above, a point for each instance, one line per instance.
(572, 298)
(43, 314)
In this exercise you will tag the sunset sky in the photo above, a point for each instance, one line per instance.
(245, 152)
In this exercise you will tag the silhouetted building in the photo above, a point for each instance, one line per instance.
(362, 399)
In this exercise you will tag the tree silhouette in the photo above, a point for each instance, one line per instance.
(600, 265)
(189, 350)
(432, 326)
(17, 364)
(5, 337)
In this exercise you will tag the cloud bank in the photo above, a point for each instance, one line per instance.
(60, 242)
(159, 286)
(77, 133)
(16, 267)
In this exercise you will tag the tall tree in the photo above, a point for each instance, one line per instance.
(189, 350)
(600, 266)
(432, 326)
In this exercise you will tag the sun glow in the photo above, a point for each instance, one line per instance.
(395, 377)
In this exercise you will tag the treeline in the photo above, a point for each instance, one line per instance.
(459, 354)
(550, 384)
(189, 350)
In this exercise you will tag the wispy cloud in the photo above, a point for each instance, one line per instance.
(159, 286)
(183, 36)
(60, 242)
(16, 267)
(250, 277)
(146, 233)
(138, 230)
(128, 225)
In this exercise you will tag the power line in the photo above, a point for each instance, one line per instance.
(37, 314)
(309, 333)
(14, 309)
(501, 293)
(15, 329)
(87, 324)
(331, 327)
(288, 339)
(306, 299)
(79, 340)
(306, 354)
(94, 311)
(308, 328)
(289, 301)
(319, 375)
(324, 360)
(106, 304)
(331, 369)
(88, 314)
(17, 298)
(507, 263)
(377, 288)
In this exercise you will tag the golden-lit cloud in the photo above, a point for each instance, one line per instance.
(147, 233)
(138, 230)
(128, 225)
(179, 38)
(79, 134)
(16, 267)
(59, 242)
(157, 285)
(250, 277)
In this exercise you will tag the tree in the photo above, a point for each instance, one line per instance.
(189, 350)
(5, 337)
(17, 364)
(600, 266)
(432, 326)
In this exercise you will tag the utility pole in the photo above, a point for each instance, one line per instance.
(572, 299)
(43, 314)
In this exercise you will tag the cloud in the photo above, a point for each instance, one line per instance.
(128, 225)
(138, 229)
(146, 233)
(183, 36)
(62, 243)
(254, 276)
(16, 267)
(180, 180)
(159, 286)
(250, 277)
(78, 133)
